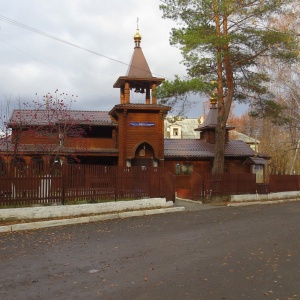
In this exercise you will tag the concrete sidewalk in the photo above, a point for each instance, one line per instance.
(45, 216)
(241, 200)
(52, 216)
(28, 218)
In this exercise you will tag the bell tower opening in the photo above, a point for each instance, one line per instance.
(139, 123)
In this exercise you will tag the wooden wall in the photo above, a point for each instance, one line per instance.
(35, 137)
(32, 137)
(235, 165)
(89, 143)
(130, 137)
(199, 166)
(209, 136)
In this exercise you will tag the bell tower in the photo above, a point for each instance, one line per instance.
(139, 78)
(140, 125)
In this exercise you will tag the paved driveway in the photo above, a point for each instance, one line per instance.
(225, 253)
(190, 205)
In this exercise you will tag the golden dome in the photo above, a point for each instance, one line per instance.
(214, 98)
(137, 36)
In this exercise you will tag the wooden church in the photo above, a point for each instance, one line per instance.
(130, 134)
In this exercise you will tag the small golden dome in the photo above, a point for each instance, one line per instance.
(137, 36)
(214, 99)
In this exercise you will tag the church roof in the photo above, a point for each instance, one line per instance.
(139, 106)
(45, 117)
(194, 148)
(138, 70)
(138, 66)
(211, 120)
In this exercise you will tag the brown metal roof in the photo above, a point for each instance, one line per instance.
(238, 148)
(211, 120)
(122, 79)
(138, 71)
(138, 65)
(194, 148)
(50, 117)
(187, 147)
(139, 106)
(256, 161)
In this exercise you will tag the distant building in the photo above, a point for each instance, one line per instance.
(181, 128)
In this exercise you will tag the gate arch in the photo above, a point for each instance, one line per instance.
(144, 155)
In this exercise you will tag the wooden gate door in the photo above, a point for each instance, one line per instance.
(170, 184)
(197, 187)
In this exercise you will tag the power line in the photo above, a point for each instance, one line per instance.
(26, 27)
(32, 29)
(47, 65)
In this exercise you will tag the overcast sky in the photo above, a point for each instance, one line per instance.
(31, 63)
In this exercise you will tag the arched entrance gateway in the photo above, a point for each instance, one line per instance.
(144, 156)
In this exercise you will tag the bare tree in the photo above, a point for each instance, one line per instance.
(44, 126)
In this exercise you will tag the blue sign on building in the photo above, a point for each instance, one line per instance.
(142, 124)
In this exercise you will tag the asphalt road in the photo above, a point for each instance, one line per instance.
(224, 253)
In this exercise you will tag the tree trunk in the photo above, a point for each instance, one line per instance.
(224, 101)
(218, 165)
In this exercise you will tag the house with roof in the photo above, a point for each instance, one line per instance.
(189, 129)
(48, 135)
(130, 134)
(195, 154)
(177, 127)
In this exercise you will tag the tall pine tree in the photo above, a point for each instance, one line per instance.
(221, 42)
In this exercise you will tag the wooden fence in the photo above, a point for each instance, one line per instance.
(36, 184)
(284, 183)
(202, 187)
(22, 184)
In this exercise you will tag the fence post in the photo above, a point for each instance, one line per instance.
(115, 172)
(63, 185)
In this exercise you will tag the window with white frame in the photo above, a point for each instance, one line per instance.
(175, 131)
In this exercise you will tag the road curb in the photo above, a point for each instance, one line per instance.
(246, 203)
(87, 219)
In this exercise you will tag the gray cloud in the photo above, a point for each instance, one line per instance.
(31, 63)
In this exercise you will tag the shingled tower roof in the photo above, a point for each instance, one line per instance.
(138, 65)
(139, 78)
(207, 130)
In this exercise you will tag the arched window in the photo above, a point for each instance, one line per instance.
(37, 165)
(3, 168)
(19, 167)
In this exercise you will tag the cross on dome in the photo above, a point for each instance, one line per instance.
(137, 37)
